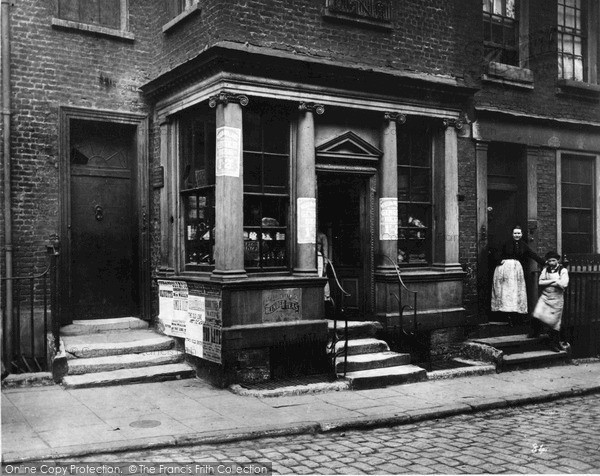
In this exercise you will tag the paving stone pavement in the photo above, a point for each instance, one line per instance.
(555, 437)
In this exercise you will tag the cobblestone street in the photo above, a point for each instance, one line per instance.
(557, 437)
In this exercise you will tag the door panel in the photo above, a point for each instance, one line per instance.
(103, 232)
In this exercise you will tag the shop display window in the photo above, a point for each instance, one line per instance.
(266, 189)
(197, 173)
(414, 195)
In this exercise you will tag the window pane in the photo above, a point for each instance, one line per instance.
(578, 71)
(567, 68)
(199, 224)
(90, 11)
(403, 178)
(277, 134)
(276, 171)
(265, 232)
(252, 171)
(497, 7)
(68, 9)
(252, 137)
(486, 5)
(110, 13)
(569, 17)
(510, 8)
(420, 186)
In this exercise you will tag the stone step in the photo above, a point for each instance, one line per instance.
(375, 360)
(356, 329)
(127, 361)
(103, 344)
(127, 376)
(512, 343)
(92, 326)
(362, 346)
(497, 329)
(386, 376)
(533, 359)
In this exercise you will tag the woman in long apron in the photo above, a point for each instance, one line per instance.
(509, 292)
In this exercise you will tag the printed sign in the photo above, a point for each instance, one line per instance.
(281, 305)
(205, 324)
(307, 220)
(388, 219)
(180, 308)
(228, 153)
(165, 305)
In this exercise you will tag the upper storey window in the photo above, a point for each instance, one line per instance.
(572, 40)
(106, 13)
(501, 31)
(177, 7)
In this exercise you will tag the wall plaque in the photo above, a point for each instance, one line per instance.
(229, 153)
(279, 305)
(307, 220)
(388, 219)
(158, 177)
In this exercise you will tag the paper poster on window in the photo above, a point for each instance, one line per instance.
(165, 305)
(180, 308)
(307, 220)
(228, 153)
(195, 324)
(388, 219)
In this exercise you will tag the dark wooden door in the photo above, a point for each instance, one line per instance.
(343, 217)
(103, 266)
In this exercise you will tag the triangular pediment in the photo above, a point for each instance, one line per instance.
(349, 145)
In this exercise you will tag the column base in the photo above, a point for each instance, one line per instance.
(447, 267)
(305, 271)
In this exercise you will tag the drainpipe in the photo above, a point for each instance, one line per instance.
(5, 16)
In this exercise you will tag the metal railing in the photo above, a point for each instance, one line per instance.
(339, 313)
(34, 312)
(399, 335)
(581, 315)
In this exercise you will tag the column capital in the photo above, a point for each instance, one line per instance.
(396, 117)
(453, 122)
(225, 97)
(311, 107)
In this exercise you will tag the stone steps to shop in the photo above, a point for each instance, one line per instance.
(155, 373)
(534, 359)
(372, 361)
(368, 345)
(103, 344)
(127, 361)
(515, 343)
(355, 328)
(119, 351)
(396, 375)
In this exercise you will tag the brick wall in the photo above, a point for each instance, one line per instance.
(467, 210)
(52, 67)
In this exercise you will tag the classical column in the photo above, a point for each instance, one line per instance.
(306, 184)
(388, 192)
(229, 189)
(446, 189)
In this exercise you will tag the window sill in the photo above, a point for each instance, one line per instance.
(421, 275)
(577, 88)
(96, 29)
(508, 75)
(194, 9)
(335, 16)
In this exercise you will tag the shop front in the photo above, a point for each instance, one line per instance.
(252, 168)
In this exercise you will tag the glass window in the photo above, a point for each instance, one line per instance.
(501, 31)
(197, 133)
(266, 188)
(176, 7)
(572, 40)
(414, 195)
(577, 175)
(97, 12)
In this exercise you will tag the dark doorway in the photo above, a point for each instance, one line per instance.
(343, 215)
(104, 265)
(506, 202)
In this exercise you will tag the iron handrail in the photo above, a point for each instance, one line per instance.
(335, 338)
(398, 297)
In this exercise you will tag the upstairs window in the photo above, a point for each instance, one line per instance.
(572, 41)
(177, 7)
(501, 31)
(266, 188)
(106, 13)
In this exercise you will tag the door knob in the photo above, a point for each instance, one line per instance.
(99, 213)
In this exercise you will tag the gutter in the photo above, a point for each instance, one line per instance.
(6, 116)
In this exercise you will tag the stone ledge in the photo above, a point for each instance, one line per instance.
(96, 29)
(332, 15)
(577, 88)
(508, 75)
(194, 9)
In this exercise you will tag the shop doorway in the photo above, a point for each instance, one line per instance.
(344, 205)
